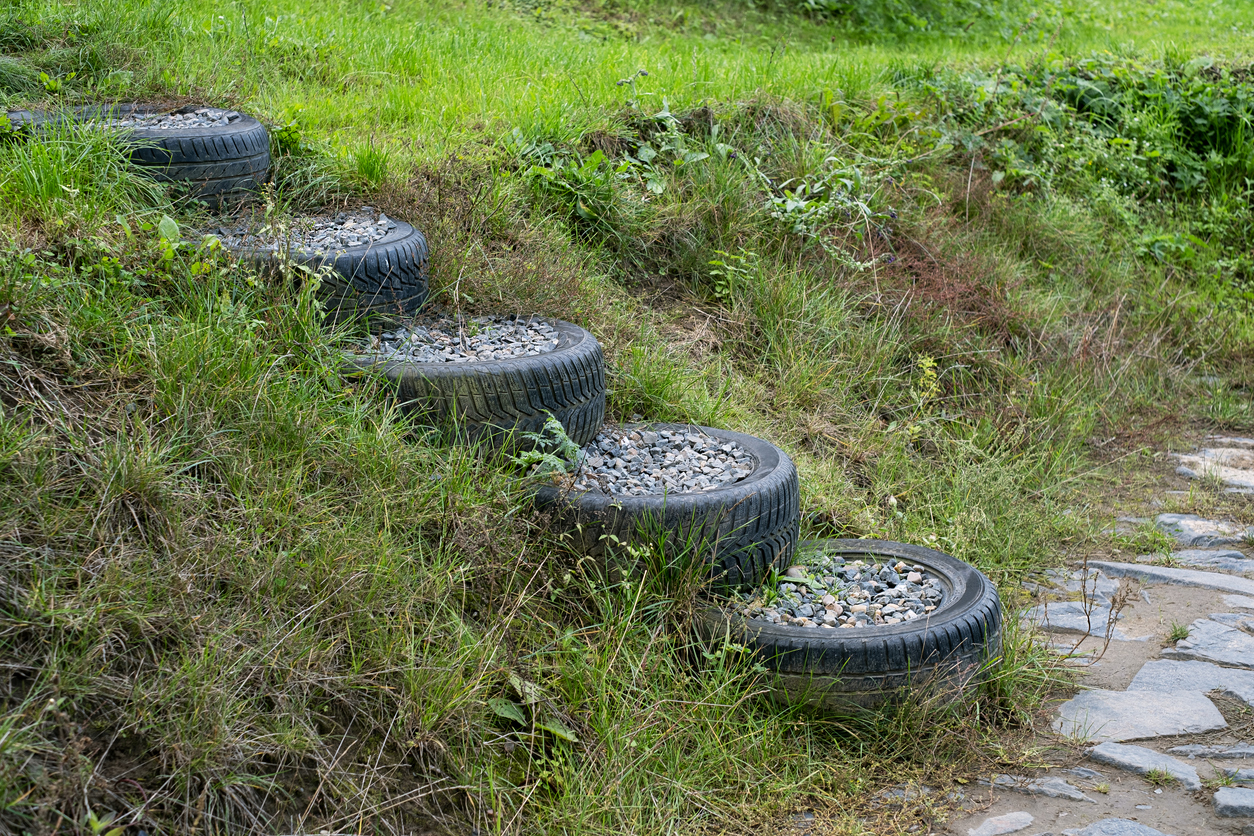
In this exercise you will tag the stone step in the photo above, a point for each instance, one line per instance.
(1179, 577)
(1097, 715)
(1210, 641)
(1143, 761)
(1166, 675)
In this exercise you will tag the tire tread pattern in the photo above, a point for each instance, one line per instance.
(492, 400)
(866, 665)
(749, 527)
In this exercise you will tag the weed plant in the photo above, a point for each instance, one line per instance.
(941, 266)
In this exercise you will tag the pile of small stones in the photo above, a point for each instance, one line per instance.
(444, 339)
(829, 592)
(626, 461)
(201, 117)
(311, 234)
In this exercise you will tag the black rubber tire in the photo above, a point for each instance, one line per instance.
(846, 670)
(495, 401)
(747, 527)
(384, 279)
(216, 164)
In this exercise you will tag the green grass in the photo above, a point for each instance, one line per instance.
(240, 593)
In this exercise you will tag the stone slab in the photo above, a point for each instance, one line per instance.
(1192, 531)
(1115, 827)
(1198, 751)
(1094, 584)
(1071, 617)
(1179, 577)
(997, 825)
(1210, 641)
(1242, 621)
(1142, 761)
(1234, 803)
(1243, 776)
(1169, 675)
(1240, 602)
(1096, 715)
(1050, 787)
(1226, 560)
(1231, 441)
(1231, 464)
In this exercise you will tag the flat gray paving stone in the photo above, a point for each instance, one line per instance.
(1196, 750)
(1115, 827)
(1049, 786)
(1210, 641)
(1140, 760)
(1232, 463)
(1169, 675)
(1179, 577)
(1234, 803)
(1227, 560)
(1240, 602)
(1085, 773)
(997, 825)
(1244, 776)
(1097, 715)
(1092, 584)
(1192, 531)
(1240, 620)
(1072, 617)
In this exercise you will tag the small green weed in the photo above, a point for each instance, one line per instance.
(1178, 632)
(553, 450)
(1160, 777)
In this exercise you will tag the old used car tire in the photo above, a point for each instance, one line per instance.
(385, 278)
(216, 164)
(495, 401)
(846, 670)
(748, 526)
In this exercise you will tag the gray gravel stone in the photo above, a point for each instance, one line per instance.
(1049, 787)
(1178, 577)
(1198, 751)
(620, 462)
(1136, 715)
(438, 338)
(1234, 803)
(1142, 761)
(1192, 531)
(998, 825)
(325, 233)
(1073, 617)
(1169, 675)
(1210, 641)
(201, 117)
(1115, 827)
(826, 591)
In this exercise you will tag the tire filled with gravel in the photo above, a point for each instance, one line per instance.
(219, 155)
(853, 624)
(378, 265)
(491, 379)
(727, 497)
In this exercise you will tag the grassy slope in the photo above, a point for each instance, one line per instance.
(238, 593)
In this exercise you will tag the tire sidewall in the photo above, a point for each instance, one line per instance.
(802, 650)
